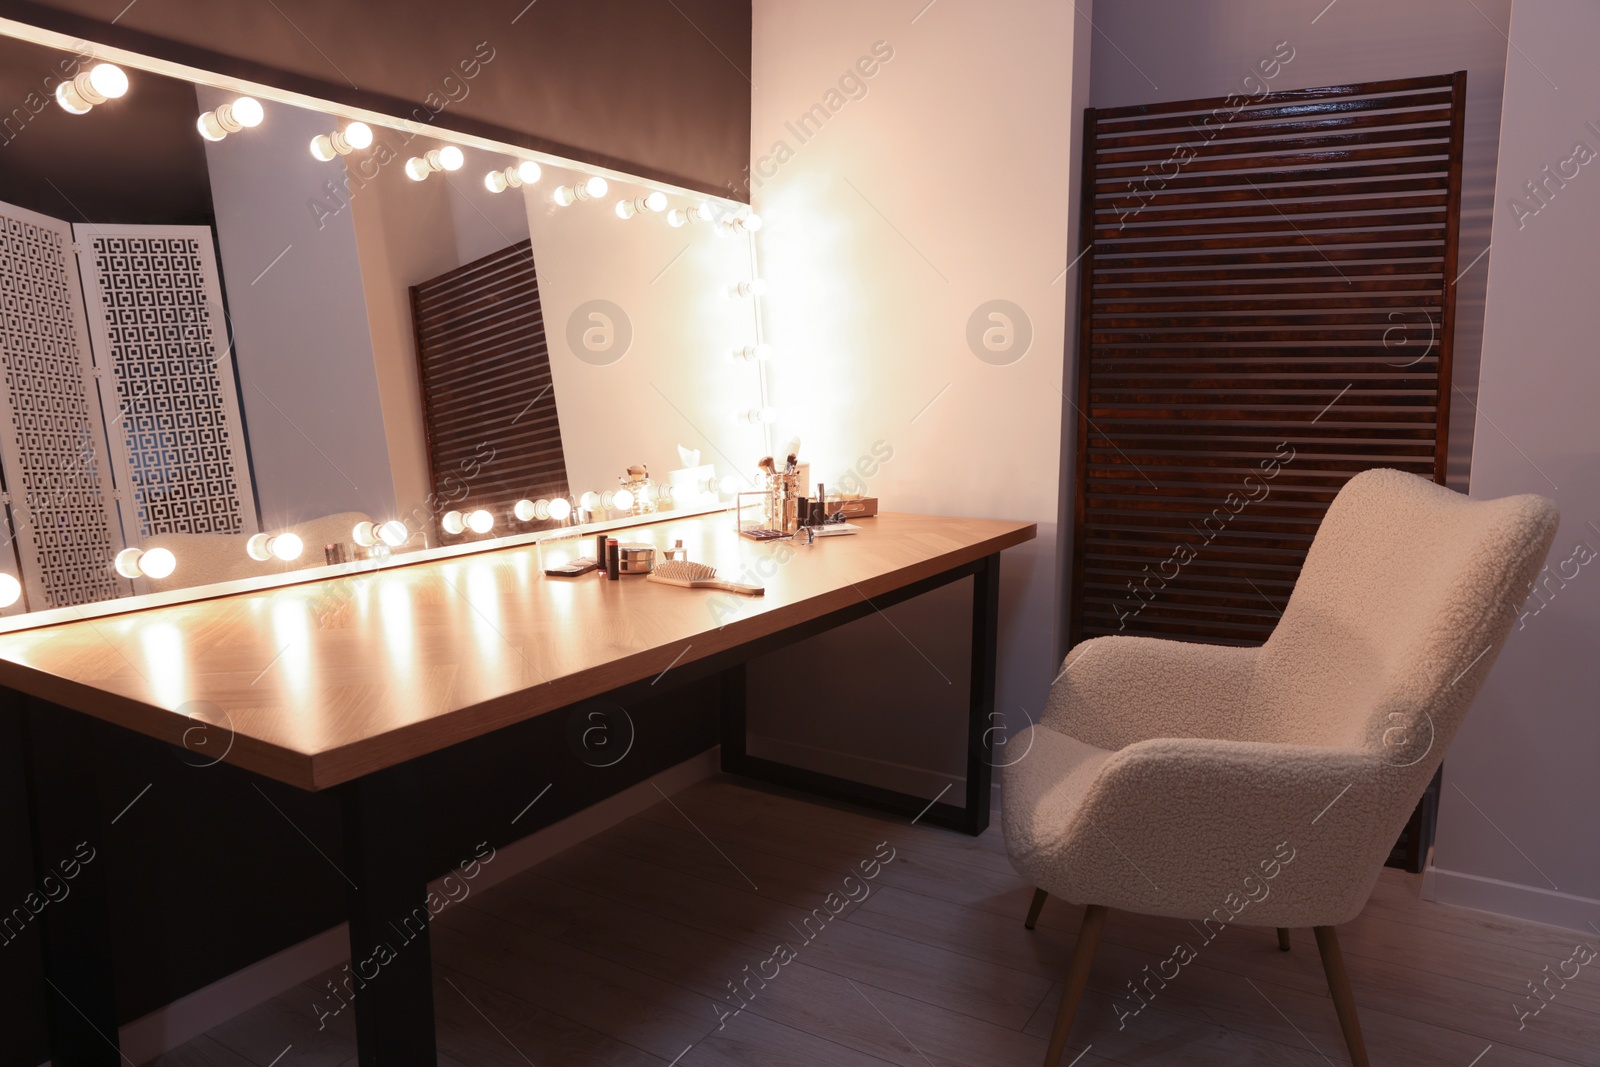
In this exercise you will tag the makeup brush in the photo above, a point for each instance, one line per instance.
(688, 575)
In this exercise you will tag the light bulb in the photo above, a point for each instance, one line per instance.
(750, 222)
(137, 563)
(560, 509)
(701, 212)
(625, 209)
(249, 112)
(453, 522)
(110, 82)
(287, 546)
(245, 112)
(563, 196)
(284, 546)
(529, 172)
(10, 590)
(596, 186)
(158, 562)
(70, 100)
(417, 168)
(729, 485)
(364, 534)
(357, 135)
(450, 157)
(753, 287)
(761, 352)
(394, 533)
(623, 501)
(656, 201)
(495, 181)
(525, 510)
(647, 492)
(480, 521)
(677, 217)
(764, 416)
(589, 501)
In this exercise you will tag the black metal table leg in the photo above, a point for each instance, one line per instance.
(74, 919)
(980, 715)
(973, 817)
(391, 961)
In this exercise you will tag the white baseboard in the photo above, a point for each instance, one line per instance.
(918, 781)
(1509, 898)
(183, 1020)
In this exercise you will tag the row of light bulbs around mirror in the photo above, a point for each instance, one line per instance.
(385, 536)
(107, 81)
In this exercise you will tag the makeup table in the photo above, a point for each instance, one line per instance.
(347, 684)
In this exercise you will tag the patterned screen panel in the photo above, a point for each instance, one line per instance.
(155, 308)
(51, 441)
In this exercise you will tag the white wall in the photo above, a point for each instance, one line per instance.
(677, 381)
(938, 183)
(1517, 831)
(307, 379)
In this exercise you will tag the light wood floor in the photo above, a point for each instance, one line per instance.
(619, 952)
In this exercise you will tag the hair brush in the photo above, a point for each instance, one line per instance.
(688, 575)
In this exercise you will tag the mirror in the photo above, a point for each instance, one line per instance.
(249, 337)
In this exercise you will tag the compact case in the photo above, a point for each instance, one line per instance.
(637, 557)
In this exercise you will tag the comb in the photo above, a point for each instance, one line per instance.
(698, 576)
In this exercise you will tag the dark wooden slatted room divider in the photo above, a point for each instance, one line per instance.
(489, 404)
(1266, 311)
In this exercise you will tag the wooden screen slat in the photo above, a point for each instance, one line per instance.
(487, 390)
(1274, 306)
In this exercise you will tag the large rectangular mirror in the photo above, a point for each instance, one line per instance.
(246, 336)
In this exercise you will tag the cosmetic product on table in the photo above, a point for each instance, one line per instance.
(613, 559)
(636, 557)
(677, 551)
(581, 565)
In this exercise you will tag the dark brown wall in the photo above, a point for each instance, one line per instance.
(660, 89)
(137, 160)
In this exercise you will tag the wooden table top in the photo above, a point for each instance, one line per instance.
(319, 683)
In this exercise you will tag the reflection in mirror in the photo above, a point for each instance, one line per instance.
(244, 337)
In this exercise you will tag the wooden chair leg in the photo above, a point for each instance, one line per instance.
(1339, 986)
(1035, 908)
(1094, 918)
(1283, 940)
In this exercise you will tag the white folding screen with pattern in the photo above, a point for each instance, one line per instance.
(154, 303)
(63, 526)
(119, 414)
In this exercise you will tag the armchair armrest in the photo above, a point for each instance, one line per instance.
(1115, 691)
(1183, 827)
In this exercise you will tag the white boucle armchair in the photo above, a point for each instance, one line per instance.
(1266, 786)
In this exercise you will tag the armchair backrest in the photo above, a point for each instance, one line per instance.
(1406, 597)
